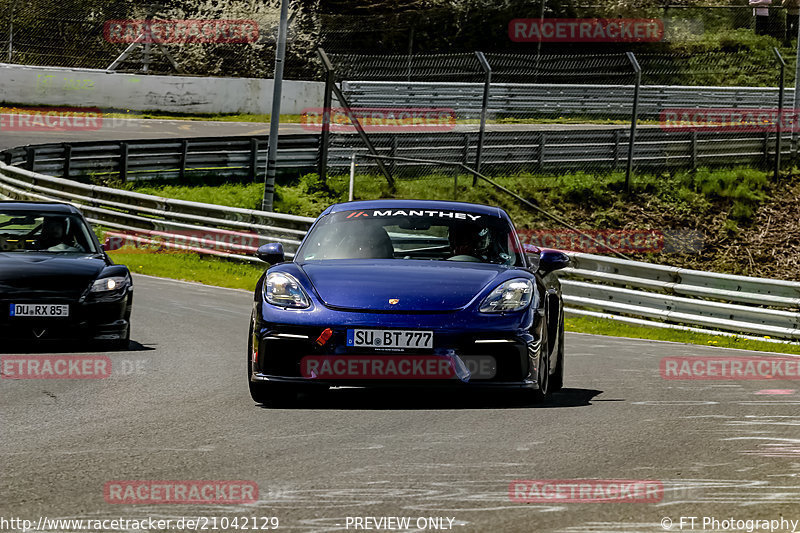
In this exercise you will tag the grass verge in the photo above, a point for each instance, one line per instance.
(600, 326)
(191, 267)
(223, 273)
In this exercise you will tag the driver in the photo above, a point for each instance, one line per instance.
(54, 235)
(466, 240)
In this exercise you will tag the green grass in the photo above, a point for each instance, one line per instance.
(735, 192)
(191, 267)
(601, 326)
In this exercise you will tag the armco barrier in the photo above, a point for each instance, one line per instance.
(131, 211)
(549, 151)
(628, 291)
(556, 99)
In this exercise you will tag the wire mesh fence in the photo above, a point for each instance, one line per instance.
(538, 114)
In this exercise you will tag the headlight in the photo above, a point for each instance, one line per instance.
(285, 291)
(109, 284)
(513, 295)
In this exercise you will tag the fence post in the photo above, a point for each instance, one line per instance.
(634, 116)
(466, 149)
(778, 128)
(616, 148)
(354, 120)
(327, 103)
(67, 160)
(487, 83)
(123, 161)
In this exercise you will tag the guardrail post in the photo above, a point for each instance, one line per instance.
(67, 160)
(542, 139)
(253, 159)
(182, 167)
(465, 153)
(694, 150)
(30, 157)
(617, 136)
(766, 149)
(487, 83)
(634, 116)
(123, 161)
(327, 103)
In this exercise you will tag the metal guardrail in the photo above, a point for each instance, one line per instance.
(629, 291)
(133, 212)
(556, 99)
(241, 157)
(670, 297)
(549, 151)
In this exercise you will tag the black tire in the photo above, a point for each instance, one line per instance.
(274, 394)
(541, 394)
(557, 379)
(118, 345)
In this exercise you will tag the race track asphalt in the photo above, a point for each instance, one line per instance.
(176, 407)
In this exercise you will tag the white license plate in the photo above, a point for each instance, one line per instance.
(40, 310)
(389, 338)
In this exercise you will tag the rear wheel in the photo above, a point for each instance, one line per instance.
(557, 379)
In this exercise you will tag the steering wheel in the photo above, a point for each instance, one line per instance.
(465, 258)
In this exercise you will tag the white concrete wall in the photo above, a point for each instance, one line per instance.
(55, 86)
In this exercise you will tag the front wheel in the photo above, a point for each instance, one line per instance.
(266, 392)
(541, 394)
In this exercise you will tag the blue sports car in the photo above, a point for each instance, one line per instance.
(408, 293)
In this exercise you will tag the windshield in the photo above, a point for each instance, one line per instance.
(44, 232)
(412, 234)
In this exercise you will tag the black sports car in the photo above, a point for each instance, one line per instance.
(56, 281)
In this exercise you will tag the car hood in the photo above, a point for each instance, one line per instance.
(30, 272)
(418, 286)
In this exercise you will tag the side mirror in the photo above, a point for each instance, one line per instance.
(271, 253)
(112, 243)
(551, 260)
(532, 255)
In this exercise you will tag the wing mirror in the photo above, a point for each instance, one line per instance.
(271, 253)
(532, 255)
(551, 260)
(112, 243)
